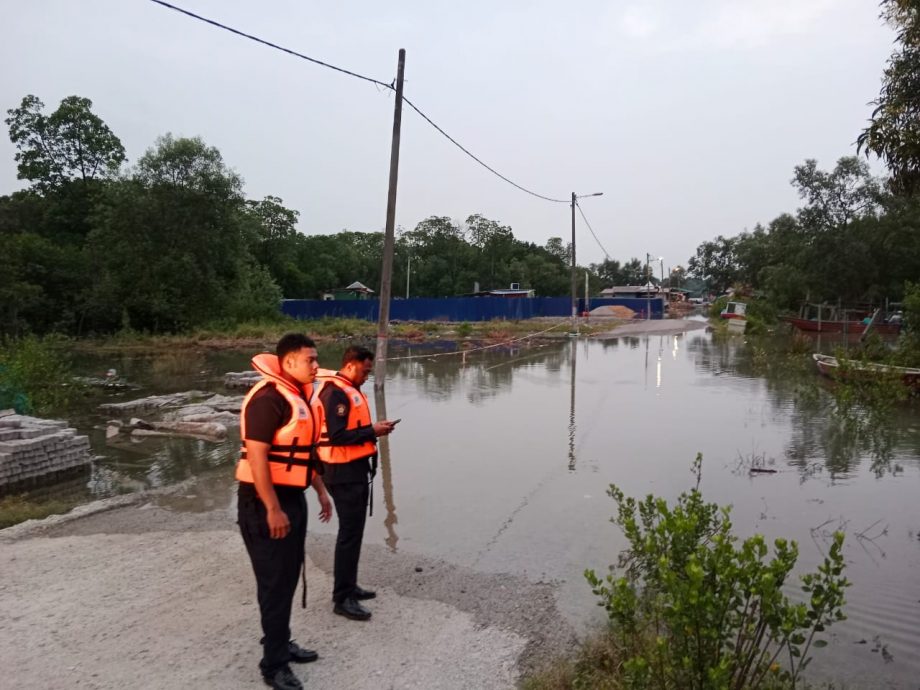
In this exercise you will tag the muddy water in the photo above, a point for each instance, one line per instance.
(502, 461)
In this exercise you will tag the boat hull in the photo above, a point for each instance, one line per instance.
(830, 367)
(856, 327)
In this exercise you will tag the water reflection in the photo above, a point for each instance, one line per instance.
(386, 472)
(829, 434)
(574, 351)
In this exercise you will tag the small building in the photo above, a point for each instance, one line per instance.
(514, 291)
(632, 291)
(354, 291)
(648, 291)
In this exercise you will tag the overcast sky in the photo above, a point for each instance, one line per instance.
(689, 116)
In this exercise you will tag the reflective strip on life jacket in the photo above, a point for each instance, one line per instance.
(291, 456)
(359, 415)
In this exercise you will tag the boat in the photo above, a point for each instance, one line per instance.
(835, 368)
(737, 325)
(734, 310)
(855, 327)
(825, 318)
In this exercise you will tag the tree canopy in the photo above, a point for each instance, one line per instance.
(172, 242)
(893, 133)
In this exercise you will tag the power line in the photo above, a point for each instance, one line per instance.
(484, 165)
(606, 254)
(217, 24)
(376, 82)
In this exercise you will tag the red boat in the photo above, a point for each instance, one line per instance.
(856, 327)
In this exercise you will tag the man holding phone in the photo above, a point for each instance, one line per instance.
(348, 449)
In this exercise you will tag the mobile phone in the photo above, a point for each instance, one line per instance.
(396, 421)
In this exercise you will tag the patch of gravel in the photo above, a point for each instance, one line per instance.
(142, 592)
(653, 327)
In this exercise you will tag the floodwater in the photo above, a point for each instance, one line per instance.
(503, 458)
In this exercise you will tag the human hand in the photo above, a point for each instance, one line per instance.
(325, 507)
(383, 428)
(278, 523)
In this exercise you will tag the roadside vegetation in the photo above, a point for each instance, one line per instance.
(265, 332)
(690, 605)
(35, 375)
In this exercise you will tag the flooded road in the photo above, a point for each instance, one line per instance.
(502, 461)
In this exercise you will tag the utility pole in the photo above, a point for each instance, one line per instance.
(383, 321)
(648, 291)
(574, 280)
(574, 330)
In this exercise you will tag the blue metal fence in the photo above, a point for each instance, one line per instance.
(458, 308)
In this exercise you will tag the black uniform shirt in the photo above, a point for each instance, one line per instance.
(338, 407)
(267, 412)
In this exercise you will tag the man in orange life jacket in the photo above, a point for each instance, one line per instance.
(348, 449)
(280, 426)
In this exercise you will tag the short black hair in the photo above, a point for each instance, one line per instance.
(356, 353)
(292, 342)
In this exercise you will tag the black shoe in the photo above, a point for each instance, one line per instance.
(283, 679)
(362, 594)
(299, 655)
(350, 608)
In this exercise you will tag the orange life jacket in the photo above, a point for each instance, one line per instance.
(291, 457)
(359, 414)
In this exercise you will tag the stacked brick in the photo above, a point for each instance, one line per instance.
(241, 380)
(31, 448)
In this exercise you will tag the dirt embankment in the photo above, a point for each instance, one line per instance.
(141, 596)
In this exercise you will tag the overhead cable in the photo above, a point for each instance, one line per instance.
(585, 218)
(350, 73)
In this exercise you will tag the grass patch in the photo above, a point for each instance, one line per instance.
(266, 332)
(17, 508)
(595, 665)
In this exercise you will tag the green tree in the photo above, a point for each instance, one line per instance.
(559, 249)
(835, 198)
(894, 130)
(170, 248)
(715, 262)
(275, 244)
(72, 142)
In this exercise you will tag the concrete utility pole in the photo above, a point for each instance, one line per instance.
(574, 281)
(383, 321)
(648, 292)
(574, 328)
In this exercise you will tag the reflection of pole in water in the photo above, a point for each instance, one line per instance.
(386, 471)
(574, 348)
(660, 352)
(646, 362)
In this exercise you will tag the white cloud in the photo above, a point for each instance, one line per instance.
(670, 25)
(754, 23)
(639, 22)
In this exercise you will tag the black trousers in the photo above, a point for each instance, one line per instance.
(276, 564)
(351, 506)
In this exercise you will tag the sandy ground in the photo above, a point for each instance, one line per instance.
(142, 596)
(653, 327)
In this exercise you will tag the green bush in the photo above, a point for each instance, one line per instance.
(35, 375)
(693, 607)
(715, 309)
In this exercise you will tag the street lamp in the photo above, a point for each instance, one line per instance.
(575, 198)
